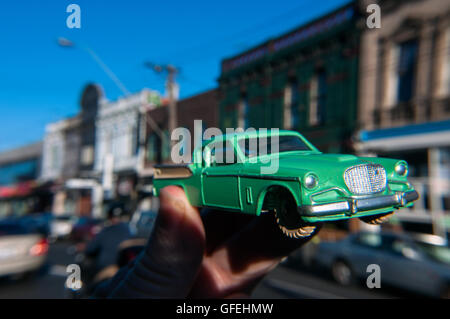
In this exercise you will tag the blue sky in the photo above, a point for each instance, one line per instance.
(41, 82)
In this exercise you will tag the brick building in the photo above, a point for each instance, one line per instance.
(404, 101)
(203, 106)
(304, 80)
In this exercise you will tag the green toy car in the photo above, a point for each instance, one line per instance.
(305, 188)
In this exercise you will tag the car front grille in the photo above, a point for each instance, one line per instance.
(365, 179)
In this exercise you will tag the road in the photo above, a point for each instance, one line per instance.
(283, 282)
(289, 282)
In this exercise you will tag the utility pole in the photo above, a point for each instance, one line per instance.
(171, 87)
(172, 94)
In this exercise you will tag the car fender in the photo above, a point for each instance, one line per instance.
(265, 190)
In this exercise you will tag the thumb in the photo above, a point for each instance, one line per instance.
(174, 253)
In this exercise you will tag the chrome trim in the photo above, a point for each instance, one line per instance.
(360, 179)
(267, 177)
(353, 205)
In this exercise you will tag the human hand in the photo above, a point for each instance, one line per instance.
(213, 255)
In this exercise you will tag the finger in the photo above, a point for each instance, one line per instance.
(239, 264)
(173, 254)
(221, 225)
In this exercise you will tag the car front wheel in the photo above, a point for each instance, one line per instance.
(377, 219)
(342, 273)
(288, 219)
(445, 294)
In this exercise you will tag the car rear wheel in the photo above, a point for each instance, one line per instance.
(342, 273)
(446, 293)
(288, 219)
(377, 219)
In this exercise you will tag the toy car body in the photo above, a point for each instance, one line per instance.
(308, 187)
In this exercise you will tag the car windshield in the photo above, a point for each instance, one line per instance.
(258, 146)
(436, 252)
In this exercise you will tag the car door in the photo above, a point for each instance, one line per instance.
(220, 178)
(362, 251)
(403, 265)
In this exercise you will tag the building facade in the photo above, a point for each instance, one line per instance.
(202, 107)
(20, 190)
(305, 80)
(404, 99)
(61, 148)
(118, 153)
(68, 159)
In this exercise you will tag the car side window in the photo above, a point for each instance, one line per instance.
(399, 247)
(222, 154)
(369, 240)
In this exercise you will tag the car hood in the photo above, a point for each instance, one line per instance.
(319, 161)
(298, 163)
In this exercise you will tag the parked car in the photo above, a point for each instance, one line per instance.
(85, 229)
(284, 174)
(22, 251)
(142, 222)
(38, 222)
(61, 226)
(418, 263)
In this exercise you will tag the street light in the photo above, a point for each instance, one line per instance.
(66, 43)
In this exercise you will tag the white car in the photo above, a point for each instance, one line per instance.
(21, 252)
(61, 226)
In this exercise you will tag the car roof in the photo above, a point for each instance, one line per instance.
(251, 133)
(256, 133)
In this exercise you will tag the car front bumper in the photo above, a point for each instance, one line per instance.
(352, 206)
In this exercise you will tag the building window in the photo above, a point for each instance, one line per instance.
(184, 149)
(317, 104)
(152, 148)
(166, 146)
(401, 64)
(444, 81)
(55, 157)
(87, 155)
(406, 70)
(244, 107)
(291, 104)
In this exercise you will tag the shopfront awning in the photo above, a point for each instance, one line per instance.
(17, 190)
(415, 136)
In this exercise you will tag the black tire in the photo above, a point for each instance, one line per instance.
(445, 294)
(288, 219)
(342, 273)
(377, 219)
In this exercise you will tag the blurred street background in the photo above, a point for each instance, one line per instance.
(286, 281)
(87, 111)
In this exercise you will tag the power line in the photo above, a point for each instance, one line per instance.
(206, 47)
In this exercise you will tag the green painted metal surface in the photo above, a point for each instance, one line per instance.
(241, 186)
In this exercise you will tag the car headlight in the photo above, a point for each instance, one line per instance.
(401, 169)
(311, 181)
